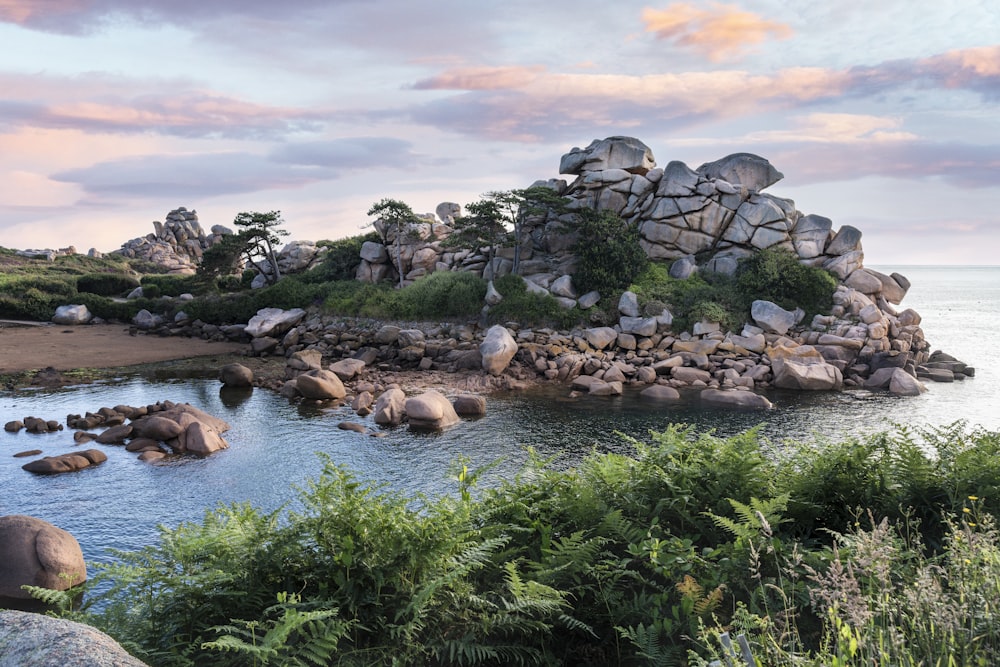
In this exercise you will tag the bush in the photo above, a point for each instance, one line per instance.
(520, 305)
(442, 294)
(172, 285)
(608, 251)
(778, 276)
(34, 297)
(106, 284)
(341, 259)
(625, 559)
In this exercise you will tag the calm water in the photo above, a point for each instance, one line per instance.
(275, 445)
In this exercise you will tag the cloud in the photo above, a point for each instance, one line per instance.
(81, 16)
(961, 165)
(720, 32)
(533, 104)
(99, 103)
(201, 175)
(187, 176)
(835, 128)
(482, 78)
(349, 153)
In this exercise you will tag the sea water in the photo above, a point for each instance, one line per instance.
(277, 446)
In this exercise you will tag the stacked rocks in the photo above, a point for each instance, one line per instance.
(177, 244)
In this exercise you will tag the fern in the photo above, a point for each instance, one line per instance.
(295, 638)
(60, 601)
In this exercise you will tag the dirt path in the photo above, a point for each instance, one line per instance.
(24, 348)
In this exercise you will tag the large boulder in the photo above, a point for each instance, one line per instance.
(497, 349)
(390, 407)
(321, 386)
(273, 321)
(35, 640)
(36, 553)
(773, 318)
(626, 153)
(236, 375)
(660, 393)
(346, 369)
(430, 410)
(72, 314)
(746, 169)
(803, 368)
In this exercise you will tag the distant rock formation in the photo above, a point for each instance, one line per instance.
(176, 246)
(716, 213)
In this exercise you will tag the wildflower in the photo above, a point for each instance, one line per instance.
(973, 498)
(967, 510)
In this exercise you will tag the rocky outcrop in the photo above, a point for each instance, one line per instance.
(176, 245)
(717, 211)
(177, 427)
(34, 640)
(34, 552)
(294, 257)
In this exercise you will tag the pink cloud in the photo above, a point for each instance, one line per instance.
(482, 78)
(719, 32)
(123, 105)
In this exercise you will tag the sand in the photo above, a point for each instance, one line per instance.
(64, 348)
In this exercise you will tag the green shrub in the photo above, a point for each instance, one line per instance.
(442, 294)
(353, 298)
(778, 276)
(106, 284)
(520, 305)
(341, 259)
(608, 252)
(624, 559)
(172, 285)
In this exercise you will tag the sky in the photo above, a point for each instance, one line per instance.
(884, 116)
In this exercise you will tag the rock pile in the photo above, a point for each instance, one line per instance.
(716, 212)
(154, 430)
(176, 245)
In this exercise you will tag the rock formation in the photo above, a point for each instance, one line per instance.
(176, 245)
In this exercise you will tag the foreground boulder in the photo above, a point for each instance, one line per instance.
(803, 368)
(34, 552)
(183, 428)
(430, 410)
(34, 640)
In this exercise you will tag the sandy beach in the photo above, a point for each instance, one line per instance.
(25, 348)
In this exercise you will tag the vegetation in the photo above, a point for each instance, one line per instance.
(397, 218)
(608, 253)
(520, 305)
(773, 275)
(642, 559)
(259, 234)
